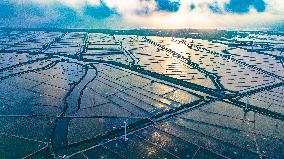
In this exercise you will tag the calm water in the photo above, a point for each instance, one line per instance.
(71, 94)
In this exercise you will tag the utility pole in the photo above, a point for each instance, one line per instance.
(246, 107)
(125, 131)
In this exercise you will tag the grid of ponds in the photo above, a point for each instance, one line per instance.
(83, 95)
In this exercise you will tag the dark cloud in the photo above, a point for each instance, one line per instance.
(162, 5)
(33, 10)
(192, 7)
(67, 16)
(167, 5)
(98, 12)
(7, 10)
(243, 6)
(215, 8)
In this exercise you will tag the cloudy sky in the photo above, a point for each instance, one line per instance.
(128, 14)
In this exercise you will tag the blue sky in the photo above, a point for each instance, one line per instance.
(124, 14)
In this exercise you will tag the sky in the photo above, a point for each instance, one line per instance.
(133, 14)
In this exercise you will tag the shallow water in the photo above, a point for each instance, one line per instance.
(70, 94)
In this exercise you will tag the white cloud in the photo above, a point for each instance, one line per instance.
(130, 7)
(203, 17)
(275, 7)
